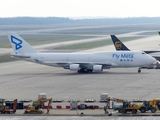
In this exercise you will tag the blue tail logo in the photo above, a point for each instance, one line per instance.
(17, 42)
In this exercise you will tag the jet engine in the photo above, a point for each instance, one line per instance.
(74, 67)
(98, 68)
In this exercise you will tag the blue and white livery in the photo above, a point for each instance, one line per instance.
(81, 62)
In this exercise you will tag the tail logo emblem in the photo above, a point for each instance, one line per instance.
(17, 42)
(118, 45)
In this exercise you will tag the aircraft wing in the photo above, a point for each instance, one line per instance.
(82, 64)
(157, 57)
(151, 51)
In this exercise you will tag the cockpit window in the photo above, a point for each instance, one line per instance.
(143, 52)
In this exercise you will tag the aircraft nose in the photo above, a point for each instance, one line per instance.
(152, 59)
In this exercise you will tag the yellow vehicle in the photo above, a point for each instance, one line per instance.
(145, 106)
(115, 100)
(131, 107)
(155, 103)
(127, 106)
(5, 109)
(35, 109)
(152, 105)
(3, 105)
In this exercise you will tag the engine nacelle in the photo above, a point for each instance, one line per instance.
(98, 68)
(74, 67)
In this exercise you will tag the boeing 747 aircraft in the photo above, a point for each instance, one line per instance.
(119, 46)
(80, 62)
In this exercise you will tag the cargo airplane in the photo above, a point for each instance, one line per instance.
(80, 62)
(119, 46)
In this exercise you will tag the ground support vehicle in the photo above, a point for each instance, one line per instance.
(36, 109)
(152, 105)
(126, 106)
(145, 106)
(129, 107)
(3, 105)
(155, 105)
(5, 109)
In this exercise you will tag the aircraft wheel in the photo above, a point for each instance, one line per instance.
(139, 70)
(81, 71)
(90, 71)
(87, 71)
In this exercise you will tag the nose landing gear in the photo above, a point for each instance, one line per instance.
(139, 70)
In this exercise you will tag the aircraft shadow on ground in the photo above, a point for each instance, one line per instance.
(95, 73)
(69, 73)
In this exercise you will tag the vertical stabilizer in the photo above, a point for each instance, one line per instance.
(118, 44)
(19, 45)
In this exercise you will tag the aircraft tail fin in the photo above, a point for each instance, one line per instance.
(118, 44)
(19, 45)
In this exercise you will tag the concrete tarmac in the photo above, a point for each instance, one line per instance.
(24, 80)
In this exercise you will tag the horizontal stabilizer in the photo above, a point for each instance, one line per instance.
(20, 56)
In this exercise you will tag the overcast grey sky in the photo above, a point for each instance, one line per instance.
(80, 8)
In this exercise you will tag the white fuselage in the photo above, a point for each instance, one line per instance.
(109, 58)
(80, 62)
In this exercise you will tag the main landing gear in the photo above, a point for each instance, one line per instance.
(83, 70)
(139, 70)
